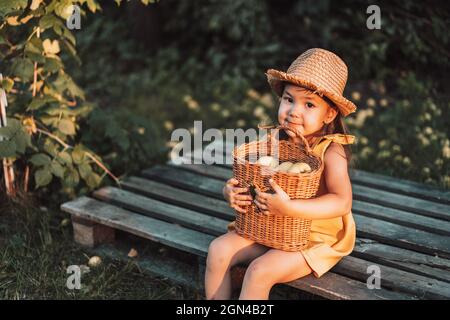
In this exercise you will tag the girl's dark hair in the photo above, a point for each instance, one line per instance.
(336, 126)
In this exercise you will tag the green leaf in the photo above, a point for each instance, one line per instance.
(92, 5)
(67, 127)
(52, 64)
(22, 141)
(48, 21)
(38, 102)
(23, 68)
(85, 170)
(12, 128)
(69, 36)
(42, 177)
(57, 169)
(7, 149)
(51, 148)
(78, 154)
(93, 180)
(72, 178)
(40, 159)
(65, 157)
(7, 84)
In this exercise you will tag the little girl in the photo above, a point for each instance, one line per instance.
(311, 104)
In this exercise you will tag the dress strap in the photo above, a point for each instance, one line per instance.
(323, 143)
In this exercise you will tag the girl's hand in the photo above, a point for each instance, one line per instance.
(233, 195)
(272, 203)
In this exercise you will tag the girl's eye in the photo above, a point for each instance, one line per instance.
(288, 99)
(309, 105)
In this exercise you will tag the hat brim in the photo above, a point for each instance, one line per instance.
(276, 79)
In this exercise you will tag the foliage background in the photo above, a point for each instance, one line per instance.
(120, 85)
(137, 72)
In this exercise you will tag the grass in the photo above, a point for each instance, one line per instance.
(36, 249)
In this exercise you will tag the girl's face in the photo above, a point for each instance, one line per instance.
(303, 112)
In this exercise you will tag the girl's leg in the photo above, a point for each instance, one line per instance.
(225, 252)
(275, 266)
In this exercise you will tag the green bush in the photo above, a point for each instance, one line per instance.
(48, 115)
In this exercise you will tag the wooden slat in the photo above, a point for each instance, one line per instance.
(153, 229)
(368, 249)
(193, 241)
(360, 192)
(161, 210)
(401, 217)
(402, 237)
(186, 180)
(401, 186)
(397, 235)
(183, 198)
(402, 202)
(338, 287)
(423, 264)
(381, 182)
(424, 287)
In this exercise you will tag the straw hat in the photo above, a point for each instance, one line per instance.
(320, 71)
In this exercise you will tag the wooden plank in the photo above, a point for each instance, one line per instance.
(391, 278)
(186, 180)
(401, 217)
(402, 202)
(153, 229)
(401, 186)
(402, 259)
(401, 236)
(377, 181)
(364, 248)
(170, 234)
(162, 211)
(183, 198)
(383, 198)
(336, 287)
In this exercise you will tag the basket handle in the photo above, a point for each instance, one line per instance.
(305, 142)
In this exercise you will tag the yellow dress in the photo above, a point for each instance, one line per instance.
(330, 239)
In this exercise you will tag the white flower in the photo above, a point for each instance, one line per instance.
(168, 125)
(446, 152)
(252, 93)
(215, 106)
(363, 140)
(371, 102)
(258, 112)
(241, 123)
(225, 113)
(384, 102)
(356, 95)
(406, 161)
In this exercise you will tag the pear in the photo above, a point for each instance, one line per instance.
(284, 167)
(268, 161)
(300, 167)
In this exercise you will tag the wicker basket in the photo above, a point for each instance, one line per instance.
(276, 231)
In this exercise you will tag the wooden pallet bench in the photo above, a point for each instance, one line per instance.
(402, 227)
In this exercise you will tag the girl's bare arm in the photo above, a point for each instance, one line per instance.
(338, 201)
